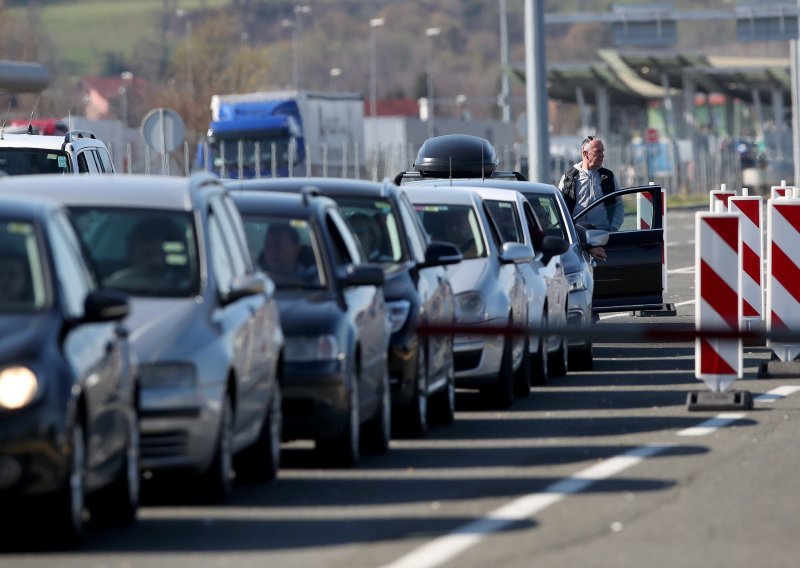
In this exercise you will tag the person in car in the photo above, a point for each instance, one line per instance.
(586, 182)
(14, 283)
(281, 255)
(459, 232)
(364, 227)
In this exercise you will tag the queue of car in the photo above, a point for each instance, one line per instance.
(184, 328)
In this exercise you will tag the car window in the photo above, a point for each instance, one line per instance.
(599, 215)
(506, 220)
(143, 252)
(105, 160)
(235, 219)
(547, 212)
(374, 222)
(534, 227)
(219, 256)
(233, 242)
(24, 161)
(413, 229)
(22, 279)
(456, 224)
(340, 235)
(286, 249)
(75, 281)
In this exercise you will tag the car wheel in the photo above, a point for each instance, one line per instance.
(116, 505)
(345, 449)
(503, 389)
(581, 359)
(378, 430)
(260, 462)
(559, 361)
(218, 480)
(522, 376)
(540, 370)
(414, 422)
(66, 511)
(443, 403)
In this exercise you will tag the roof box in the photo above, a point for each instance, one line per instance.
(456, 155)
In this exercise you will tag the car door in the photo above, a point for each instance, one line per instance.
(631, 277)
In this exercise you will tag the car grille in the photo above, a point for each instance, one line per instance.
(466, 360)
(163, 444)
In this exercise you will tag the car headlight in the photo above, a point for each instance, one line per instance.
(314, 348)
(469, 307)
(576, 281)
(18, 387)
(160, 375)
(397, 312)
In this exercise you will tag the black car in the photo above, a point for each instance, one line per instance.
(335, 380)
(69, 435)
(416, 290)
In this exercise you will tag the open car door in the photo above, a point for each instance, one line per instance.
(631, 278)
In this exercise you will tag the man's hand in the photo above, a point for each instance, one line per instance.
(598, 253)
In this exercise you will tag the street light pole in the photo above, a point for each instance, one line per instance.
(430, 33)
(505, 110)
(373, 71)
(297, 39)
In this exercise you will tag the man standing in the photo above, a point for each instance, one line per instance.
(586, 182)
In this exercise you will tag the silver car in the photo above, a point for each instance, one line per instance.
(488, 286)
(203, 322)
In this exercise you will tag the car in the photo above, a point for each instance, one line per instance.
(204, 323)
(489, 290)
(335, 376)
(631, 279)
(551, 212)
(69, 435)
(416, 290)
(76, 152)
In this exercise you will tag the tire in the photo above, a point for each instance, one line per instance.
(559, 361)
(522, 376)
(502, 392)
(65, 511)
(414, 421)
(443, 403)
(377, 431)
(581, 359)
(217, 481)
(345, 449)
(117, 504)
(540, 371)
(260, 462)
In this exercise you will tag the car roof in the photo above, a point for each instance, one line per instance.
(31, 141)
(451, 196)
(499, 194)
(134, 191)
(279, 204)
(334, 187)
(521, 186)
(27, 206)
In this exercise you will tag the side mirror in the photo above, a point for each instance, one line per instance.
(516, 253)
(105, 305)
(552, 246)
(247, 285)
(362, 275)
(594, 238)
(440, 253)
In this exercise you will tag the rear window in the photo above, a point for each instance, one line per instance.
(456, 224)
(374, 223)
(504, 214)
(27, 161)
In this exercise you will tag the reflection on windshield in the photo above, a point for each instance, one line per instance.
(375, 225)
(21, 280)
(547, 214)
(284, 248)
(141, 252)
(16, 162)
(505, 217)
(455, 224)
(253, 151)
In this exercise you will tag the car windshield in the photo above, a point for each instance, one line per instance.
(505, 217)
(254, 152)
(547, 212)
(374, 223)
(24, 161)
(143, 252)
(22, 284)
(455, 224)
(285, 248)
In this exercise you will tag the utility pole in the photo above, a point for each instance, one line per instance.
(536, 93)
(505, 108)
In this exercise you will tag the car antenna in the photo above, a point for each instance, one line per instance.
(450, 159)
(30, 120)
(483, 173)
(3, 127)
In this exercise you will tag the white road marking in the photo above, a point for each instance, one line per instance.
(713, 424)
(447, 547)
(776, 394)
(680, 243)
(628, 313)
(684, 270)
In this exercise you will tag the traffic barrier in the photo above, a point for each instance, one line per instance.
(750, 208)
(718, 305)
(719, 196)
(780, 191)
(783, 274)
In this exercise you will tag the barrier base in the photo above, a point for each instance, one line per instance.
(666, 310)
(756, 326)
(728, 400)
(780, 369)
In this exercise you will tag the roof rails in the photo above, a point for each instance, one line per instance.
(73, 135)
(406, 177)
(308, 192)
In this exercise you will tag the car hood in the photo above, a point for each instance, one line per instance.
(155, 324)
(21, 336)
(305, 312)
(468, 274)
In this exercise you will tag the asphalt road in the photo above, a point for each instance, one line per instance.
(598, 469)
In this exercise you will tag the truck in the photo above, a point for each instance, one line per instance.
(283, 133)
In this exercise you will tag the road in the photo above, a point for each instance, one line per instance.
(596, 469)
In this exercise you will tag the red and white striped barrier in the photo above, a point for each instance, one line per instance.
(718, 254)
(780, 191)
(720, 196)
(750, 208)
(783, 273)
(644, 217)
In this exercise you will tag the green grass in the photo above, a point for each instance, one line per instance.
(84, 30)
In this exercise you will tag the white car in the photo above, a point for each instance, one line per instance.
(77, 152)
(488, 286)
